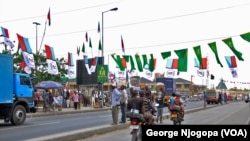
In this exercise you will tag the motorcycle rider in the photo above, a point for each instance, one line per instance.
(175, 101)
(138, 103)
(148, 108)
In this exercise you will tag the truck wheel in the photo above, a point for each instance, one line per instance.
(18, 116)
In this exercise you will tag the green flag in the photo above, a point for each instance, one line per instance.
(197, 51)
(182, 59)
(145, 60)
(151, 63)
(213, 47)
(100, 45)
(118, 61)
(139, 63)
(229, 43)
(132, 64)
(83, 47)
(166, 54)
(246, 36)
(90, 43)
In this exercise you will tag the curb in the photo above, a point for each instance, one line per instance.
(31, 115)
(108, 128)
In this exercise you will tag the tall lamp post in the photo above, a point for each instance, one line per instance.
(192, 86)
(36, 23)
(113, 9)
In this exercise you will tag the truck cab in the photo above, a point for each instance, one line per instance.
(16, 95)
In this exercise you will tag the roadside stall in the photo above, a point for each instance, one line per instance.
(56, 89)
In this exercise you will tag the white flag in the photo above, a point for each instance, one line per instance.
(234, 72)
(29, 59)
(88, 69)
(8, 42)
(201, 73)
(71, 72)
(52, 67)
(169, 73)
(27, 69)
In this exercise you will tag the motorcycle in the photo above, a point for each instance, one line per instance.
(176, 117)
(136, 120)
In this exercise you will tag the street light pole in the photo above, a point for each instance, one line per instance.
(36, 23)
(113, 9)
(109, 69)
(192, 86)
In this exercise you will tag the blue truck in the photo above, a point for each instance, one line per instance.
(16, 93)
(169, 84)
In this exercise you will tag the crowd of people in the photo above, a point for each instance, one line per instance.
(122, 101)
(52, 99)
(143, 101)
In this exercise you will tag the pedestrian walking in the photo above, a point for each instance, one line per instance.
(220, 98)
(76, 99)
(115, 100)
(159, 100)
(123, 103)
(225, 97)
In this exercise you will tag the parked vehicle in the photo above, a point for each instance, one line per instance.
(212, 97)
(16, 96)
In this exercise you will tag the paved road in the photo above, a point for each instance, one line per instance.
(233, 113)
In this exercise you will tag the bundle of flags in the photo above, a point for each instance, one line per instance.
(172, 67)
(7, 41)
(51, 60)
(202, 67)
(71, 70)
(232, 64)
(90, 64)
(29, 62)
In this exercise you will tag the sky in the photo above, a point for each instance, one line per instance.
(146, 26)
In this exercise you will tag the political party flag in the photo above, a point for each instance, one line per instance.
(122, 43)
(48, 17)
(5, 32)
(52, 67)
(213, 47)
(50, 53)
(229, 43)
(24, 43)
(182, 60)
(70, 59)
(98, 27)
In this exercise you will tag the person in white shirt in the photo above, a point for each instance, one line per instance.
(123, 103)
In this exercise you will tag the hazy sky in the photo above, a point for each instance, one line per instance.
(147, 26)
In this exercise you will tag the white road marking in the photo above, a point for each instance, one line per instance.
(16, 127)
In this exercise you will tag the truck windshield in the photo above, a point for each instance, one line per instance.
(24, 80)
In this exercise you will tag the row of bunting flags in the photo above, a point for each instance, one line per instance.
(28, 62)
(142, 63)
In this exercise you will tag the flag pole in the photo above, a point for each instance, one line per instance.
(43, 35)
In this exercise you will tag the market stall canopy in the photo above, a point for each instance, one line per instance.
(49, 85)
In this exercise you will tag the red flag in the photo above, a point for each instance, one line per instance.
(49, 52)
(5, 32)
(22, 65)
(48, 17)
(98, 28)
(204, 63)
(123, 50)
(86, 36)
(124, 63)
(175, 64)
(233, 61)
